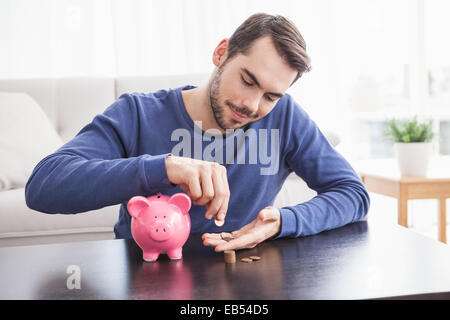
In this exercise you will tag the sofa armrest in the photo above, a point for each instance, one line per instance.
(17, 220)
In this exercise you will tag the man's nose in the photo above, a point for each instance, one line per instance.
(252, 104)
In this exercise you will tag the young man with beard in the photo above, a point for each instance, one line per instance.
(127, 151)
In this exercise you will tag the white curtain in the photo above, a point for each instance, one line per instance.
(367, 56)
(58, 38)
(65, 38)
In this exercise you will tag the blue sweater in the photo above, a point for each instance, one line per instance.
(122, 152)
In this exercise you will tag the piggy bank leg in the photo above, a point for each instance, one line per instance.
(150, 256)
(175, 254)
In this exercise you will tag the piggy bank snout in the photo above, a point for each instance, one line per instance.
(161, 231)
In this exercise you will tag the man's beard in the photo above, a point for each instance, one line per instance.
(218, 110)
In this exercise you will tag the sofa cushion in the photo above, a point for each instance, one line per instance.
(79, 100)
(42, 90)
(26, 136)
(150, 84)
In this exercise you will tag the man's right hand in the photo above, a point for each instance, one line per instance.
(205, 182)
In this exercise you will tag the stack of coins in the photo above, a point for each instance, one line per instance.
(230, 256)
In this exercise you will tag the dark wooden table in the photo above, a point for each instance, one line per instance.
(358, 261)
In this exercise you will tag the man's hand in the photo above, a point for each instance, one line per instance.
(266, 225)
(205, 182)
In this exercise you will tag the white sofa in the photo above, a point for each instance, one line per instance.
(71, 103)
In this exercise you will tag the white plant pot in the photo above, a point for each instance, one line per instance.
(413, 158)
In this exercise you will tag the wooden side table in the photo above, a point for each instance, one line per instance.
(383, 176)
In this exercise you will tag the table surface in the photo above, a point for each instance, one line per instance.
(439, 169)
(357, 261)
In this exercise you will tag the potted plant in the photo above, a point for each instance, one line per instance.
(412, 144)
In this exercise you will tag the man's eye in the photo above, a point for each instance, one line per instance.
(270, 99)
(248, 84)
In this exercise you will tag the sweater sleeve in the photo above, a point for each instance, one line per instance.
(96, 168)
(341, 196)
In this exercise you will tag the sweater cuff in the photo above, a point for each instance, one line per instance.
(156, 172)
(288, 223)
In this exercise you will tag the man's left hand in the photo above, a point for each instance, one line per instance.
(266, 225)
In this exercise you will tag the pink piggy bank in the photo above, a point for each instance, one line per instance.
(160, 224)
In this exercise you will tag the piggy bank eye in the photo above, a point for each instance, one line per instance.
(159, 197)
(156, 217)
(164, 217)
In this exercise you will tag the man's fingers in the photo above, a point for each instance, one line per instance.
(211, 236)
(213, 242)
(219, 205)
(243, 230)
(195, 190)
(207, 188)
(225, 191)
(212, 208)
(205, 182)
(268, 214)
(249, 235)
(245, 241)
(216, 240)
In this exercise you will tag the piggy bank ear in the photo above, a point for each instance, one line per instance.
(136, 204)
(182, 201)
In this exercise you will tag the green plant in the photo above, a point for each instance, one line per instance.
(410, 130)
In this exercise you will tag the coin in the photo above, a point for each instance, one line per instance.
(219, 223)
(246, 260)
(226, 236)
(255, 258)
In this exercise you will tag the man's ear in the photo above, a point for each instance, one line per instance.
(220, 53)
(136, 205)
(182, 201)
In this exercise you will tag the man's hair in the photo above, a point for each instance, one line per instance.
(288, 41)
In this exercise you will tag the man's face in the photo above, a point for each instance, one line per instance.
(247, 87)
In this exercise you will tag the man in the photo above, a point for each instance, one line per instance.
(131, 149)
